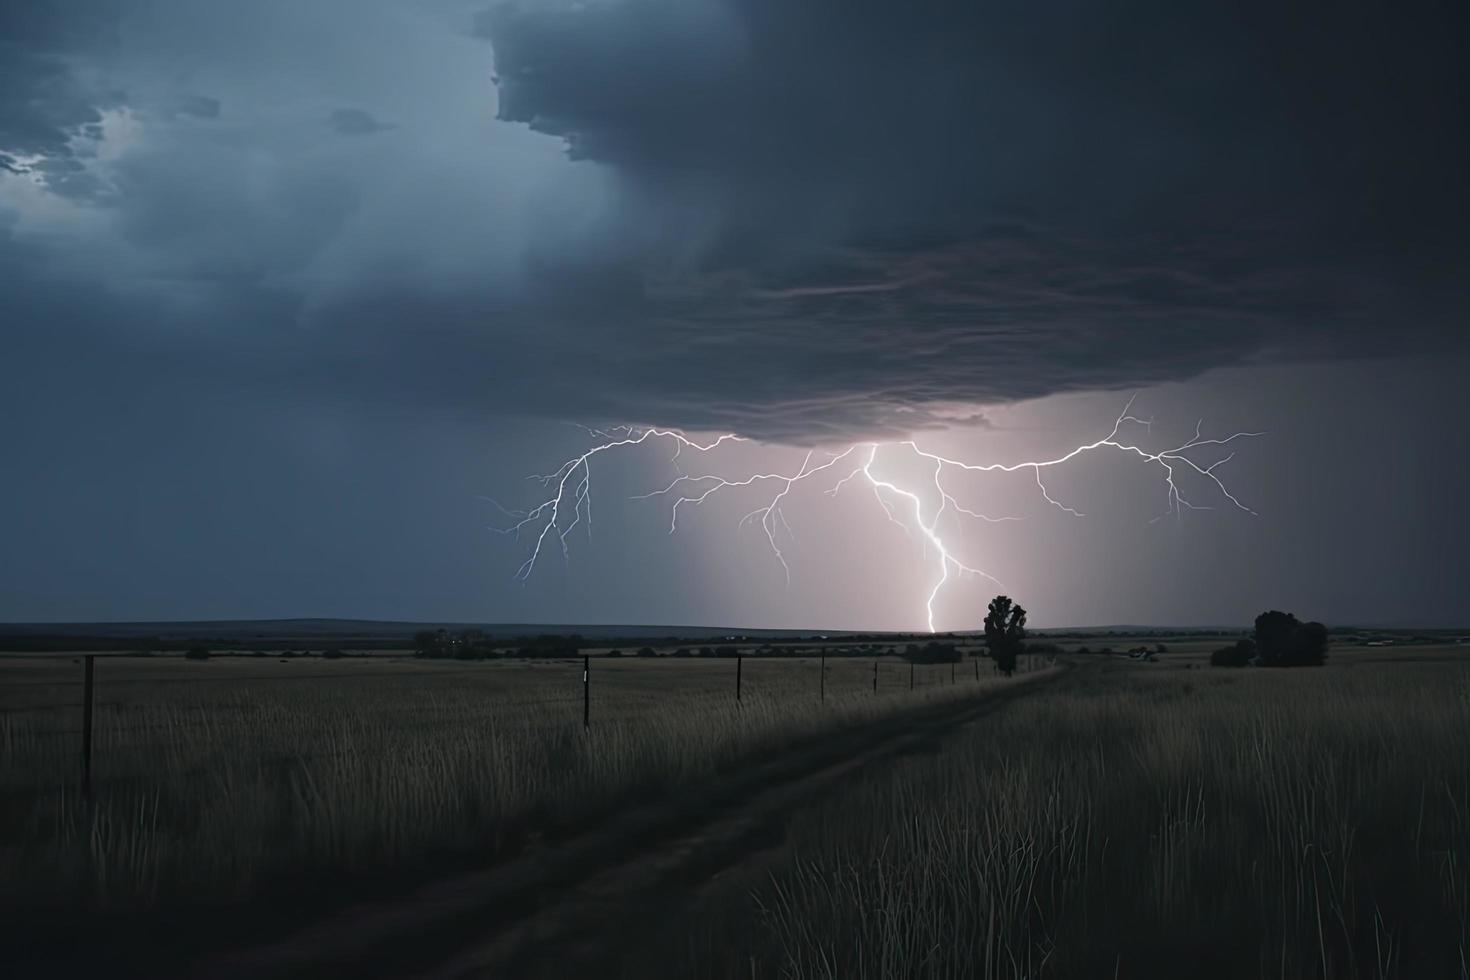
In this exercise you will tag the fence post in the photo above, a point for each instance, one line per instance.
(875, 675)
(911, 673)
(951, 671)
(739, 659)
(977, 667)
(824, 673)
(87, 692)
(586, 691)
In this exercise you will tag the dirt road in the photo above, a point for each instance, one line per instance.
(565, 901)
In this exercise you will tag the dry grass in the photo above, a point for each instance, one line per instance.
(1141, 822)
(230, 779)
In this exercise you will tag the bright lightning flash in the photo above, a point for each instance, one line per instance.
(570, 487)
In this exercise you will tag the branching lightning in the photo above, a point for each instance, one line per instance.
(569, 503)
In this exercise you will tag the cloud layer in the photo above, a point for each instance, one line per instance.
(802, 221)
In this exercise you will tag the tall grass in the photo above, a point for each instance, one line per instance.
(1288, 824)
(221, 782)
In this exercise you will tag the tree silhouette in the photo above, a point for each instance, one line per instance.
(1311, 645)
(1005, 633)
(1282, 640)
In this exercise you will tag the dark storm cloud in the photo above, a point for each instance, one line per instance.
(279, 295)
(873, 349)
(923, 117)
(906, 202)
(798, 220)
(47, 120)
(355, 122)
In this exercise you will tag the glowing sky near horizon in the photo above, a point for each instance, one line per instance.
(917, 502)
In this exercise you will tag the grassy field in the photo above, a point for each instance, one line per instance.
(1134, 821)
(1307, 823)
(257, 779)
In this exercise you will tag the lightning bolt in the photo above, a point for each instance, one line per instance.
(569, 488)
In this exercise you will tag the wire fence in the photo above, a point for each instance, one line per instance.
(145, 706)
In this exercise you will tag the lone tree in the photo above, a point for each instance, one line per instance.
(1005, 633)
(1282, 640)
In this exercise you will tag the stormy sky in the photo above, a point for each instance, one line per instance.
(287, 290)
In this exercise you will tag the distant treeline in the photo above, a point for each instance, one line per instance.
(477, 645)
(57, 642)
(68, 643)
(1068, 636)
(145, 645)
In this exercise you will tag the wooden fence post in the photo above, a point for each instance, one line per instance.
(977, 668)
(739, 659)
(824, 673)
(586, 691)
(88, 688)
(951, 671)
(875, 675)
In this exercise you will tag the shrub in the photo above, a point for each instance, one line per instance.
(430, 643)
(332, 653)
(647, 652)
(614, 653)
(682, 652)
(935, 652)
(1237, 654)
(196, 653)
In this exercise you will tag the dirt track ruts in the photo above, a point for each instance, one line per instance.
(485, 922)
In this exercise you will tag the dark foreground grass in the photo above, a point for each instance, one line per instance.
(1134, 822)
(237, 799)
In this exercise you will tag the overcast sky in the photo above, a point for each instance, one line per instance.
(288, 289)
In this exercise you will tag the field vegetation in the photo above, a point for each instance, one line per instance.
(1295, 823)
(1134, 821)
(286, 782)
